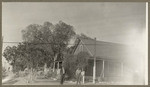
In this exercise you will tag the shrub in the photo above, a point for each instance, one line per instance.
(70, 65)
(4, 73)
(72, 62)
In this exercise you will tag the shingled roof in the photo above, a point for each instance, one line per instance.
(106, 50)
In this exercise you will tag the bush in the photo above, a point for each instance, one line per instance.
(49, 74)
(4, 73)
(54, 74)
(70, 65)
(72, 62)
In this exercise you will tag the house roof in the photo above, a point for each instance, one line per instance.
(107, 50)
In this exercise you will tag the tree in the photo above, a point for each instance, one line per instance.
(16, 56)
(10, 53)
(72, 62)
(62, 34)
(83, 36)
(61, 37)
(38, 40)
(51, 40)
(42, 44)
(69, 64)
(82, 59)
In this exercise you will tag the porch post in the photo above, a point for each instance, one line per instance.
(94, 67)
(94, 71)
(103, 68)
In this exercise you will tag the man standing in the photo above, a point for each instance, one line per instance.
(62, 73)
(78, 75)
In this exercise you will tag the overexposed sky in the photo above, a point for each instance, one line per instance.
(119, 22)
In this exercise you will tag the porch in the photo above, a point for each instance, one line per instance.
(106, 70)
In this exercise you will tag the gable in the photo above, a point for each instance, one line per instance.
(80, 48)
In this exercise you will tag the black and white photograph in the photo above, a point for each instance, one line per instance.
(74, 43)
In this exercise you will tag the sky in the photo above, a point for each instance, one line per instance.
(117, 22)
(113, 22)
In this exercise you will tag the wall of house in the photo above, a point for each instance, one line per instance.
(110, 68)
(89, 68)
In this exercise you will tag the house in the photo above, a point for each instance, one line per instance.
(112, 61)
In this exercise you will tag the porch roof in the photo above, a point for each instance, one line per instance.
(107, 50)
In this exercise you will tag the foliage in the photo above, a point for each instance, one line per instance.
(4, 73)
(38, 39)
(11, 54)
(70, 65)
(72, 62)
(82, 59)
(83, 36)
(61, 36)
(41, 44)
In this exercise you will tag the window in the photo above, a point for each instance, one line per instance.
(81, 47)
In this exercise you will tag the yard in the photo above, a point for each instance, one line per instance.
(11, 80)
